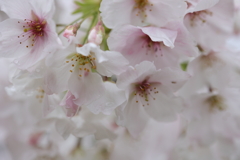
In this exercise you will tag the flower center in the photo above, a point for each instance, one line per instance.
(151, 46)
(144, 92)
(217, 102)
(32, 29)
(199, 16)
(83, 63)
(40, 95)
(142, 6)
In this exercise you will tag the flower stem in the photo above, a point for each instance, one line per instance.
(90, 27)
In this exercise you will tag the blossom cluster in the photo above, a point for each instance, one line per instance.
(120, 79)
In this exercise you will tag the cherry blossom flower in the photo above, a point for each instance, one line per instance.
(213, 18)
(163, 46)
(149, 92)
(141, 12)
(176, 99)
(82, 70)
(29, 34)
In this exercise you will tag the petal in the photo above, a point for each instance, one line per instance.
(126, 78)
(161, 35)
(20, 9)
(114, 63)
(86, 49)
(124, 38)
(113, 97)
(44, 9)
(139, 73)
(10, 43)
(57, 79)
(201, 5)
(111, 9)
(177, 9)
(135, 118)
(86, 89)
(162, 107)
(171, 78)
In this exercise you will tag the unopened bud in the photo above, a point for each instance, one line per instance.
(96, 34)
(71, 31)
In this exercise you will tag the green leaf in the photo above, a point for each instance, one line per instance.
(87, 8)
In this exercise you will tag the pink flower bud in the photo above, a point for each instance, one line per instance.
(96, 34)
(71, 30)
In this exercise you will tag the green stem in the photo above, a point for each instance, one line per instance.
(89, 29)
(61, 25)
(71, 24)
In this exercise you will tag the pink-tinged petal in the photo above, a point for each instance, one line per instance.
(20, 9)
(59, 72)
(112, 98)
(135, 74)
(122, 37)
(163, 46)
(166, 59)
(86, 89)
(57, 79)
(58, 58)
(177, 9)
(114, 64)
(86, 49)
(123, 40)
(121, 8)
(161, 108)
(68, 102)
(135, 118)
(141, 13)
(46, 8)
(184, 43)
(124, 79)
(161, 35)
(172, 78)
(217, 22)
(35, 55)
(11, 45)
(145, 69)
(201, 4)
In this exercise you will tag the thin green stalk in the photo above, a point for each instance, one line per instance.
(71, 24)
(90, 27)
